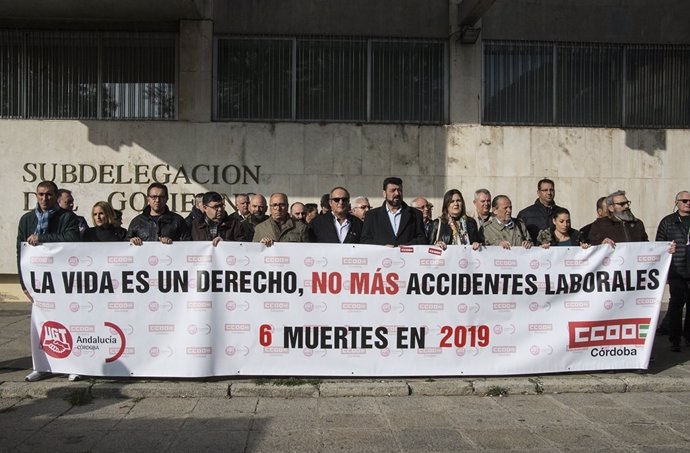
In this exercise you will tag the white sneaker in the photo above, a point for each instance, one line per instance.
(37, 376)
(74, 377)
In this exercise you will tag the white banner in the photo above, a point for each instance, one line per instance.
(192, 310)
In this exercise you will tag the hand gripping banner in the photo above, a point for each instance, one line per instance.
(192, 310)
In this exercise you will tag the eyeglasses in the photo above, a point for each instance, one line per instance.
(366, 206)
(217, 207)
(340, 199)
(623, 203)
(683, 201)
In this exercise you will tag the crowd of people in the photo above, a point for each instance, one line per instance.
(342, 219)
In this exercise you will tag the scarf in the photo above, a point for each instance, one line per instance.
(44, 218)
(458, 231)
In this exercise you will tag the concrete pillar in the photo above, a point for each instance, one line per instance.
(196, 66)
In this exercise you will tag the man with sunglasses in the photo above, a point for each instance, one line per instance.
(360, 207)
(676, 227)
(157, 222)
(216, 225)
(338, 227)
(620, 225)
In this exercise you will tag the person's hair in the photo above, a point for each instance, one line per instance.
(211, 196)
(361, 197)
(617, 193)
(392, 180)
(347, 193)
(238, 195)
(280, 194)
(478, 191)
(601, 201)
(50, 185)
(545, 181)
(446, 201)
(494, 202)
(157, 185)
(293, 205)
(117, 214)
(199, 196)
(60, 192)
(310, 207)
(325, 198)
(678, 194)
(558, 211)
(107, 210)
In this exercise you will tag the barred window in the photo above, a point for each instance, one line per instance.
(333, 79)
(575, 84)
(87, 75)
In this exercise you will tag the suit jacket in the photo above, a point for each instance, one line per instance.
(378, 229)
(322, 229)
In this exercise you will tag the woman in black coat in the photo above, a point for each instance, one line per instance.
(103, 215)
(454, 227)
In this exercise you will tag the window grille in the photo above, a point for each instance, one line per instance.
(583, 84)
(331, 79)
(87, 75)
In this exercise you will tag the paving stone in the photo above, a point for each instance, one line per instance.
(359, 440)
(513, 386)
(506, 438)
(273, 391)
(183, 389)
(456, 387)
(284, 441)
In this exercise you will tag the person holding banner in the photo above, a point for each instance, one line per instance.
(560, 233)
(215, 225)
(157, 222)
(48, 222)
(394, 223)
(454, 227)
(338, 227)
(502, 229)
(620, 225)
(280, 227)
(104, 230)
(676, 227)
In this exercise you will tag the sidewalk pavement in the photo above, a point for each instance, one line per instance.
(669, 372)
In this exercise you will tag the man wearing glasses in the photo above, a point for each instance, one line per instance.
(157, 222)
(279, 227)
(216, 225)
(537, 217)
(338, 227)
(620, 225)
(676, 227)
(360, 207)
(423, 205)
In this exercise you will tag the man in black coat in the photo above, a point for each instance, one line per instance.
(394, 223)
(537, 217)
(338, 226)
(157, 222)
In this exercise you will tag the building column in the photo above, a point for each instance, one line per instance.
(196, 71)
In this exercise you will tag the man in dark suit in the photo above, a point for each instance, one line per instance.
(338, 226)
(394, 223)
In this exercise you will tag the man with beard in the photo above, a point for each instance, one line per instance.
(157, 222)
(338, 227)
(216, 225)
(280, 227)
(394, 223)
(620, 225)
(257, 214)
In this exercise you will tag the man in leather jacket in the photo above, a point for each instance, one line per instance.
(157, 222)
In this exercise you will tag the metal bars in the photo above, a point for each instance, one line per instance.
(330, 79)
(87, 75)
(583, 84)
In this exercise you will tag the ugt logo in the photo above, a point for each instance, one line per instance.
(56, 340)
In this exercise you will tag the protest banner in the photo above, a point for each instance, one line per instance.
(192, 310)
